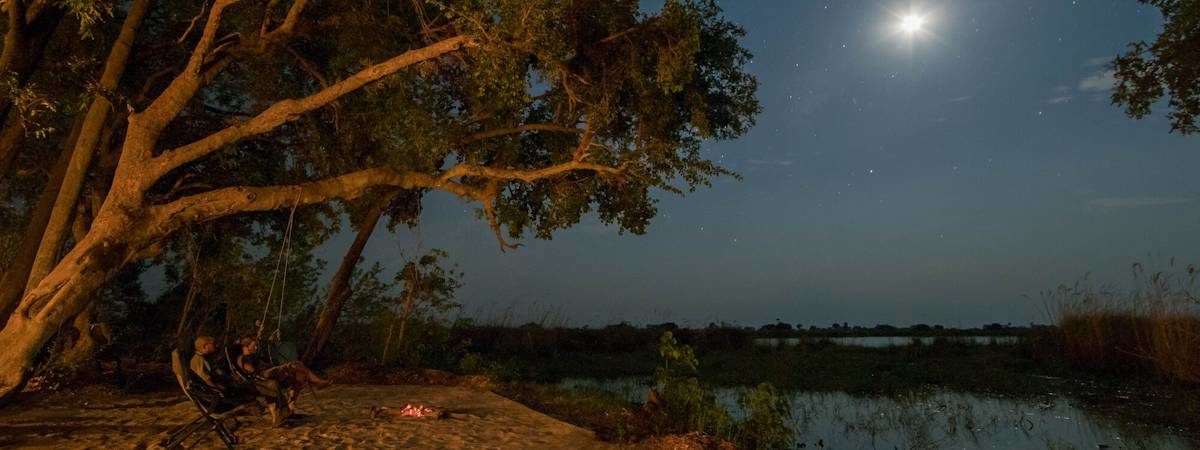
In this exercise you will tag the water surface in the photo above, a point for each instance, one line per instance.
(887, 341)
(935, 419)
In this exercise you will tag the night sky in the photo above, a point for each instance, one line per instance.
(945, 177)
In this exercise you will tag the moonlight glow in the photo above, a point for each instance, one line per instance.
(912, 23)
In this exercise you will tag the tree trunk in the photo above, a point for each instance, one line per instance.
(24, 46)
(12, 136)
(85, 146)
(63, 294)
(13, 281)
(83, 347)
(403, 325)
(339, 286)
(126, 228)
(83, 344)
(408, 303)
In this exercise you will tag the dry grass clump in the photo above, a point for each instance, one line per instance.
(1155, 328)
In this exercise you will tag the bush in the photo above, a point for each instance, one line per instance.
(681, 404)
(765, 424)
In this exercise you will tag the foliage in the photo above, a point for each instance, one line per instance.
(686, 405)
(32, 106)
(765, 424)
(89, 13)
(376, 307)
(678, 360)
(1169, 66)
(541, 84)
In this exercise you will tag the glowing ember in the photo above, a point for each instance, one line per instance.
(409, 411)
(418, 411)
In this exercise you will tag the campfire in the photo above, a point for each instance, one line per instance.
(410, 411)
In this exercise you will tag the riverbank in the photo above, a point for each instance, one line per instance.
(340, 417)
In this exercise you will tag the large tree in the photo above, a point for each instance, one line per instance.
(1170, 67)
(539, 111)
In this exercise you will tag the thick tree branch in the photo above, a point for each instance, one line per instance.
(287, 110)
(184, 86)
(226, 201)
(239, 199)
(527, 175)
(289, 22)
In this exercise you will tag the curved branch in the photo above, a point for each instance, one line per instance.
(232, 200)
(527, 175)
(239, 199)
(287, 110)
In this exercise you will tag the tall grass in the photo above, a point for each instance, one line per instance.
(1153, 328)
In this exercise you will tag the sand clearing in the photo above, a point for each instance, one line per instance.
(340, 417)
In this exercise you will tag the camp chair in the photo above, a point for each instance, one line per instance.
(238, 372)
(213, 405)
(277, 353)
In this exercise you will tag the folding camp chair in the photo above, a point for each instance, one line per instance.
(213, 405)
(278, 353)
(238, 371)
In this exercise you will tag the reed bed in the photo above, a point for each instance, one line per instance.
(1155, 328)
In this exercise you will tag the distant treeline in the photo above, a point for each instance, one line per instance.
(624, 337)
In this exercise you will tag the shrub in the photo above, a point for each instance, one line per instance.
(681, 404)
(765, 424)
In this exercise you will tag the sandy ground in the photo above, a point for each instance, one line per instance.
(338, 417)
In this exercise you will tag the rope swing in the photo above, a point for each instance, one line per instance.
(285, 251)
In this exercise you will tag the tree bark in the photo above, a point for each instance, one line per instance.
(64, 293)
(12, 282)
(24, 46)
(339, 287)
(83, 344)
(85, 146)
(83, 347)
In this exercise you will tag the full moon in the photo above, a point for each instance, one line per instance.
(912, 23)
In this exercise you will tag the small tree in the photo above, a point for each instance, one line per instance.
(428, 292)
(680, 403)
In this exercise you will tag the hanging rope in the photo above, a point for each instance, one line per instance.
(287, 259)
(285, 250)
(193, 283)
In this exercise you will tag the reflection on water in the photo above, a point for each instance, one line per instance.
(935, 419)
(888, 341)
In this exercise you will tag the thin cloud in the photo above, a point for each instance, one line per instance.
(1099, 61)
(961, 99)
(1101, 81)
(1137, 202)
(771, 162)
(1058, 100)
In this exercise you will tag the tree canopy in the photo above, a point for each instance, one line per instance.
(1169, 66)
(171, 115)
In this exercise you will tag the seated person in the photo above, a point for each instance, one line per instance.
(211, 374)
(292, 376)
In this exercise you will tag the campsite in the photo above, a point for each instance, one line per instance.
(647, 224)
